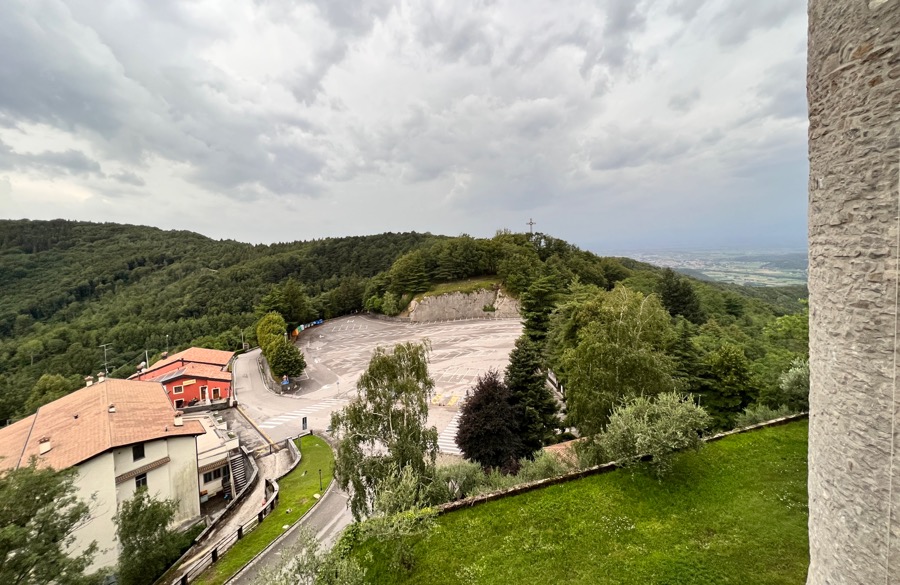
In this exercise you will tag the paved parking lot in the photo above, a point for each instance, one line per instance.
(339, 351)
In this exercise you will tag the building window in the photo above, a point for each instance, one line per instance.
(217, 393)
(178, 390)
(140, 481)
(212, 475)
(202, 392)
(137, 452)
(179, 403)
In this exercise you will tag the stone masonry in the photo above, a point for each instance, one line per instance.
(853, 84)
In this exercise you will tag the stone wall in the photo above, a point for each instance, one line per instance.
(853, 88)
(464, 306)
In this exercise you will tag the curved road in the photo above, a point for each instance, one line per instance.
(336, 354)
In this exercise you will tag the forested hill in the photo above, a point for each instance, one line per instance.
(68, 287)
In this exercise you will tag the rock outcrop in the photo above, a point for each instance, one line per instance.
(464, 306)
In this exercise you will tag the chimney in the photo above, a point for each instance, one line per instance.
(44, 445)
(101, 376)
(112, 407)
(179, 418)
(88, 381)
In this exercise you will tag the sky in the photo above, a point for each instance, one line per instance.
(614, 124)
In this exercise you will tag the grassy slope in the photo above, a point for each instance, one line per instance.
(296, 494)
(734, 513)
(466, 286)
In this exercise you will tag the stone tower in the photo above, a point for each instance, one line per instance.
(853, 83)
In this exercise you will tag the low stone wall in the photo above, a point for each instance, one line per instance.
(452, 306)
(596, 470)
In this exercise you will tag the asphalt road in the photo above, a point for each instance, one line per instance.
(336, 354)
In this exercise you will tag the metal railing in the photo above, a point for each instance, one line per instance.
(212, 555)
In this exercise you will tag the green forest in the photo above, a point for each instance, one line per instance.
(70, 287)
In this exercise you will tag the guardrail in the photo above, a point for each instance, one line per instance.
(217, 550)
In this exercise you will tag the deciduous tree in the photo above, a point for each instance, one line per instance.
(619, 354)
(39, 512)
(488, 425)
(148, 544)
(385, 428)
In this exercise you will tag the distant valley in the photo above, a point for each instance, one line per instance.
(746, 267)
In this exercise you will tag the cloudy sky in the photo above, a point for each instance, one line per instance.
(615, 124)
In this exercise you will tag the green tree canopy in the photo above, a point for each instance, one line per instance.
(535, 408)
(618, 355)
(385, 428)
(48, 388)
(285, 358)
(678, 297)
(39, 512)
(149, 546)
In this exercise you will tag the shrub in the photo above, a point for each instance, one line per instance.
(658, 427)
(758, 413)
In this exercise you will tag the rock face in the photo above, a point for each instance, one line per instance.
(853, 85)
(464, 306)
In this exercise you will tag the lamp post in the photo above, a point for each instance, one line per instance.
(320, 480)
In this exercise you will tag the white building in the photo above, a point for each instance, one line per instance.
(120, 435)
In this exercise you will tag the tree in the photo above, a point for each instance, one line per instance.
(537, 304)
(728, 389)
(534, 406)
(148, 545)
(48, 388)
(384, 427)
(657, 426)
(270, 328)
(678, 297)
(794, 386)
(488, 425)
(305, 563)
(39, 512)
(619, 354)
(285, 359)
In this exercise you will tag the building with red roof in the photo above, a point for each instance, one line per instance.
(194, 376)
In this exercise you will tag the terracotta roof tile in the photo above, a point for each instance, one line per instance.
(196, 355)
(80, 425)
(194, 371)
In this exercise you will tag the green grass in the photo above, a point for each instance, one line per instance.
(734, 513)
(469, 285)
(296, 494)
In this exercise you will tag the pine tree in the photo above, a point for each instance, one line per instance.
(535, 408)
(537, 304)
(488, 424)
(678, 297)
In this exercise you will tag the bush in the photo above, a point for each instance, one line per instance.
(758, 413)
(658, 427)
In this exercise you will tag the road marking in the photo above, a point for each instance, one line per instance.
(295, 415)
(437, 399)
(453, 400)
(447, 439)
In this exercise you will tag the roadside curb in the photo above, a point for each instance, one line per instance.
(252, 562)
(254, 425)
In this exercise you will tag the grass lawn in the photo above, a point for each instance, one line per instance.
(295, 494)
(469, 285)
(734, 513)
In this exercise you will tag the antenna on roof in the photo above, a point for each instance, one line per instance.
(105, 346)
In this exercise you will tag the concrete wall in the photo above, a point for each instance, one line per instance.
(97, 487)
(464, 306)
(854, 142)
